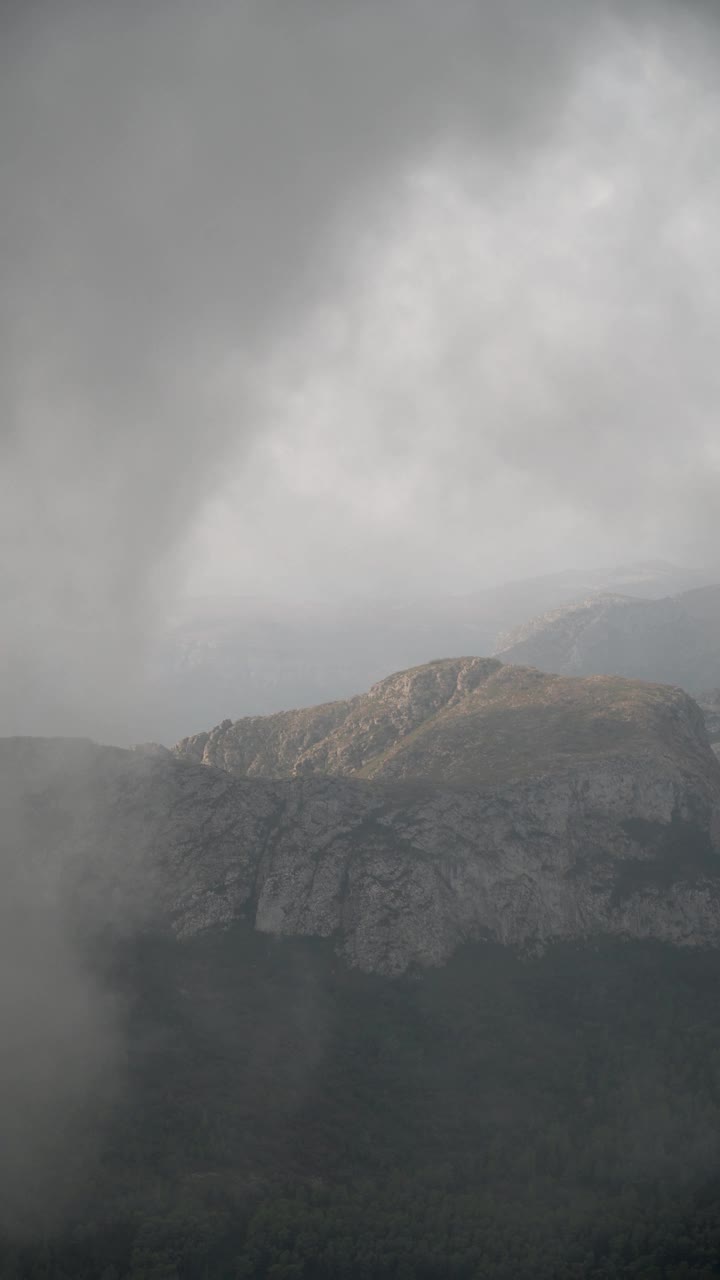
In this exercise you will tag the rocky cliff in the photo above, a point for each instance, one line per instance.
(475, 802)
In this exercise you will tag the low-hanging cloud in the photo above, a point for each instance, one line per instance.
(184, 190)
(520, 373)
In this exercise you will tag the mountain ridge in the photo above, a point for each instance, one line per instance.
(471, 720)
(605, 819)
(673, 640)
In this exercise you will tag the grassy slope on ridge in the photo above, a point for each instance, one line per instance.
(464, 720)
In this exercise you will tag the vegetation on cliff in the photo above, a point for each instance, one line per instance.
(282, 1116)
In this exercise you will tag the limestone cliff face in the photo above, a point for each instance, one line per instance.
(520, 844)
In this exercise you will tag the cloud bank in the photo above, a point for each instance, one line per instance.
(311, 299)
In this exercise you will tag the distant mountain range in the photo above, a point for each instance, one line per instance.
(674, 640)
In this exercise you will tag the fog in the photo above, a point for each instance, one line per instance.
(311, 302)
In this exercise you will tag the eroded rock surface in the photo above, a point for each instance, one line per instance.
(503, 806)
(460, 721)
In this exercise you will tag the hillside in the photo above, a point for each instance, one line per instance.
(439, 1002)
(675, 640)
(329, 1027)
(459, 721)
(459, 800)
(281, 1117)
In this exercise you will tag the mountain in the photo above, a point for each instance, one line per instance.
(675, 640)
(456, 721)
(460, 800)
(426, 987)
(254, 656)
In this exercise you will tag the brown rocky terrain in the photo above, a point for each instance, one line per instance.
(457, 721)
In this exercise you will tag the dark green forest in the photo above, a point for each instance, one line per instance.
(280, 1116)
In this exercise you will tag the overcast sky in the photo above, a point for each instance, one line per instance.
(306, 297)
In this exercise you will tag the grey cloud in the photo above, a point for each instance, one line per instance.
(180, 188)
(524, 375)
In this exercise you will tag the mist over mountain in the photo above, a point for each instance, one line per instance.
(675, 640)
(253, 957)
(224, 657)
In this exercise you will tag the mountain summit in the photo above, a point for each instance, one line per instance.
(457, 722)
(457, 801)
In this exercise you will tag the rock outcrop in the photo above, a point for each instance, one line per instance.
(340, 738)
(459, 722)
(468, 801)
